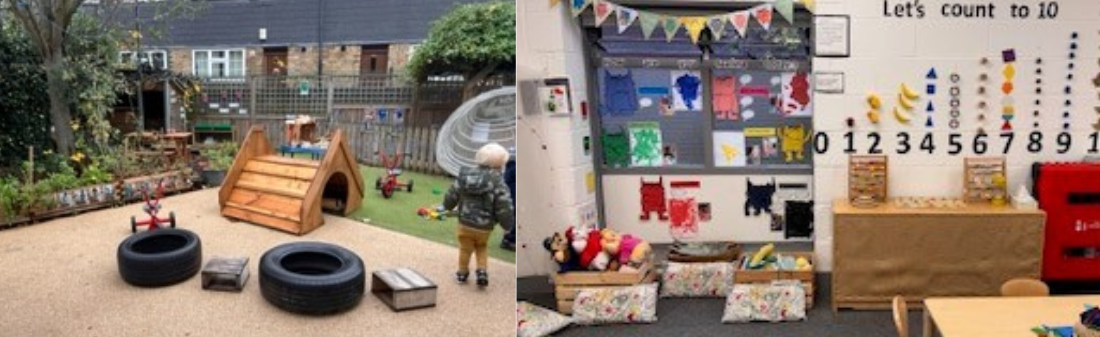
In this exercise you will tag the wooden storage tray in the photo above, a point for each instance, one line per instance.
(568, 285)
(731, 253)
(746, 276)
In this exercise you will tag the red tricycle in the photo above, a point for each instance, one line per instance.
(389, 182)
(151, 207)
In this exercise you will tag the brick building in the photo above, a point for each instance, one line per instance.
(235, 39)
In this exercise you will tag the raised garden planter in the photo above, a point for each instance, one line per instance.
(100, 196)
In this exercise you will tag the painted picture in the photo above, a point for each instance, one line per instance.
(687, 87)
(796, 100)
(645, 144)
(729, 149)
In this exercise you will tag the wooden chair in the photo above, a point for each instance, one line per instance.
(901, 316)
(1024, 287)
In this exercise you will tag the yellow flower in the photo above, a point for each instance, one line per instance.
(77, 156)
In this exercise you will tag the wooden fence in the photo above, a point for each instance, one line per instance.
(351, 103)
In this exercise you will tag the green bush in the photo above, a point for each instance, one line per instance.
(221, 155)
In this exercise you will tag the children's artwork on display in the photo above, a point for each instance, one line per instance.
(724, 98)
(668, 155)
(758, 198)
(645, 144)
(796, 100)
(799, 216)
(620, 98)
(616, 149)
(688, 86)
(683, 210)
(757, 93)
(729, 149)
(794, 142)
(653, 199)
(762, 145)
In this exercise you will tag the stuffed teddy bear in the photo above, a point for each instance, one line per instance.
(592, 251)
(634, 252)
(561, 252)
(610, 240)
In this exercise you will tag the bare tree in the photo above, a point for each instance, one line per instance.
(46, 22)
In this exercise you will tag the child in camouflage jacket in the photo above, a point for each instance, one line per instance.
(483, 201)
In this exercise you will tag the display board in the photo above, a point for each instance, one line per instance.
(728, 109)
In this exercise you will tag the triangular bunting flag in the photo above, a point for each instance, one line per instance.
(671, 25)
(554, 3)
(763, 15)
(649, 22)
(811, 5)
(603, 9)
(578, 6)
(785, 9)
(626, 17)
(717, 25)
(740, 22)
(694, 26)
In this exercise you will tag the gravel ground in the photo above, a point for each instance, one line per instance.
(60, 278)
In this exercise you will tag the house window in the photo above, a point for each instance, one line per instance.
(158, 58)
(226, 63)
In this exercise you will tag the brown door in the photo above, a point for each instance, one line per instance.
(374, 59)
(275, 61)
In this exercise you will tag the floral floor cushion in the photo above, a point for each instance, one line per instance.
(765, 302)
(536, 321)
(697, 280)
(635, 304)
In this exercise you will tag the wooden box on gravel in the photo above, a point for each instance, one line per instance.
(758, 276)
(403, 289)
(567, 285)
(225, 273)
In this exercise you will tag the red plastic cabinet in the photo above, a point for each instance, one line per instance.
(1070, 195)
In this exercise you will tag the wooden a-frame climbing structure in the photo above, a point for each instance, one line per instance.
(288, 193)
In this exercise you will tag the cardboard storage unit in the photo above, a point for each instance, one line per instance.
(567, 285)
(763, 276)
(918, 253)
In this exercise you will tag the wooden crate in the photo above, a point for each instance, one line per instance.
(731, 253)
(744, 276)
(403, 289)
(225, 273)
(568, 285)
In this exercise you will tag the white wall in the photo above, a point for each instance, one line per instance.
(884, 53)
(552, 190)
(888, 51)
(726, 194)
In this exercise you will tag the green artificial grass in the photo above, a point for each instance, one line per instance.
(399, 212)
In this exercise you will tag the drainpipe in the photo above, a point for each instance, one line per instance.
(320, 38)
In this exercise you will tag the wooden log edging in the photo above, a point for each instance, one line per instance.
(105, 198)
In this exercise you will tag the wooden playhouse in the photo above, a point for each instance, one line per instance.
(288, 194)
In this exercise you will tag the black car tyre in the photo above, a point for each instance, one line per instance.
(312, 278)
(159, 257)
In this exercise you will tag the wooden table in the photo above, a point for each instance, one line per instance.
(885, 251)
(1000, 316)
(179, 142)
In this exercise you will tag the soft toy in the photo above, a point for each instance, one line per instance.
(579, 237)
(762, 256)
(610, 241)
(591, 250)
(641, 254)
(561, 252)
(802, 264)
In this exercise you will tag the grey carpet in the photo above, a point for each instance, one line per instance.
(702, 317)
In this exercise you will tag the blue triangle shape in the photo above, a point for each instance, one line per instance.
(929, 124)
(930, 108)
(931, 74)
